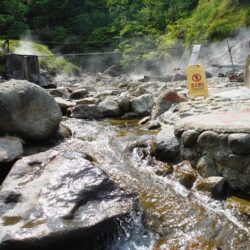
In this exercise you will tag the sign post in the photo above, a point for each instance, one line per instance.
(197, 83)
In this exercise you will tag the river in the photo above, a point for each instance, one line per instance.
(169, 216)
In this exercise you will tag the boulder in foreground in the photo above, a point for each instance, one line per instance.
(28, 111)
(52, 201)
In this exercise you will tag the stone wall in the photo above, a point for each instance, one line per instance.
(219, 154)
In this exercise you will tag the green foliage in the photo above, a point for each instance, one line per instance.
(142, 30)
(103, 37)
(13, 21)
(212, 20)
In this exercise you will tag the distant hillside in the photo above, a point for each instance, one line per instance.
(212, 20)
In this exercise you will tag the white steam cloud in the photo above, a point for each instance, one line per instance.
(26, 46)
(211, 54)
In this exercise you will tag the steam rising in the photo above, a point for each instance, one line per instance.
(166, 63)
(210, 54)
(25, 47)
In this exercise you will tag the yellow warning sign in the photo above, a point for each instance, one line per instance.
(197, 82)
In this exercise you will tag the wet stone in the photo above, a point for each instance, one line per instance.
(185, 174)
(210, 184)
(62, 197)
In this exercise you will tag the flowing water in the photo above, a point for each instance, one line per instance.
(169, 215)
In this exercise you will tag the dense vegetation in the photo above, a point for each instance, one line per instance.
(141, 29)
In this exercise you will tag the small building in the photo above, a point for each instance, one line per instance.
(23, 67)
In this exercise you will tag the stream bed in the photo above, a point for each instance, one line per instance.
(169, 215)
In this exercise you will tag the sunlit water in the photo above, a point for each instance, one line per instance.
(170, 217)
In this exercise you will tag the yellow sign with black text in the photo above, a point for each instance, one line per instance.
(197, 82)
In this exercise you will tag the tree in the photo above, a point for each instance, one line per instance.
(13, 22)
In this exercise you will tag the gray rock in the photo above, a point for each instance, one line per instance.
(83, 111)
(107, 93)
(211, 184)
(153, 125)
(79, 94)
(237, 180)
(206, 167)
(236, 170)
(60, 92)
(143, 104)
(47, 199)
(64, 131)
(163, 169)
(10, 149)
(28, 110)
(185, 174)
(109, 108)
(124, 102)
(190, 154)
(189, 138)
(139, 91)
(208, 139)
(87, 100)
(239, 143)
(169, 117)
(167, 145)
(165, 101)
(64, 104)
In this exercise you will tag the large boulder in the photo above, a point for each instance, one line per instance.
(49, 201)
(165, 101)
(109, 107)
(28, 110)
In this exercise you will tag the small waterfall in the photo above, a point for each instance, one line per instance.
(133, 235)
